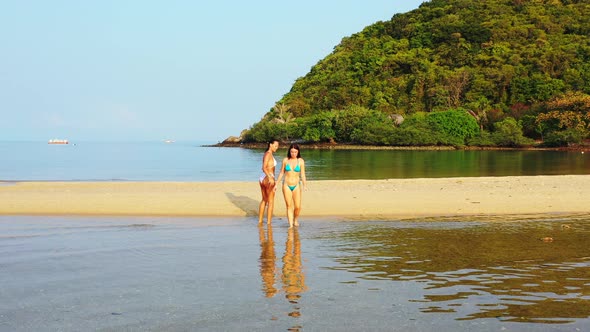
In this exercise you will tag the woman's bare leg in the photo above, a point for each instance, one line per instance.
(270, 196)
(296, 205)
(263, 203)
(288, 194)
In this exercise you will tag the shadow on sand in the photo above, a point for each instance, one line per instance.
(245, 203)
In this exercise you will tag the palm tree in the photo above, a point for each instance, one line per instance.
(282, 112)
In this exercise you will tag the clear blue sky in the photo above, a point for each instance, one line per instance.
(151, 70)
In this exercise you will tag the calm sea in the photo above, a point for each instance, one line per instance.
(192, 161)
(77, 273)
(195, 274)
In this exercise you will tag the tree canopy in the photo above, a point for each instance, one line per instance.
(486, 62)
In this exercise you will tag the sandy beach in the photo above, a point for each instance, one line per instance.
(361, 199)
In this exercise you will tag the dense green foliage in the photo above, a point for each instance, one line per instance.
(458, 71)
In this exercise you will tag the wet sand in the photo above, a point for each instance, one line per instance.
(359, 199)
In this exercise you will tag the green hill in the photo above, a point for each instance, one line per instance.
(451, 72)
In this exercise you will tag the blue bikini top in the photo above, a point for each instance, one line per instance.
(297, 168)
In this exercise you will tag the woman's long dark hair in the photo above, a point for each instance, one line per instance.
(270, 142)
(293, 146)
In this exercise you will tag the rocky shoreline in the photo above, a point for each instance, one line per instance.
(584, 147)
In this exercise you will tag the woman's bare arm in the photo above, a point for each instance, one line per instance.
(282, 173)
(303, 178)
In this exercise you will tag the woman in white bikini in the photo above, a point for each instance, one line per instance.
(267, 182)
(293, 169)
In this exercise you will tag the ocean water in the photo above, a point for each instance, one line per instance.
(195, 274)
(192, 161)
(483, 273)
(124, 161)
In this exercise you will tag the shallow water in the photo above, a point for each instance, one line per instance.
(176, 274)
(190, 161)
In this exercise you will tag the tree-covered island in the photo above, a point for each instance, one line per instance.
(509, 73)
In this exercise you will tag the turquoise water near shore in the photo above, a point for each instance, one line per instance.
(191, 161)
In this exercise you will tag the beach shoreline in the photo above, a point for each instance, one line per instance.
(581, 147)
(352, 199)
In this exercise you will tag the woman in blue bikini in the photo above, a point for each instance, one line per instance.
(293, 169)
(267, 182)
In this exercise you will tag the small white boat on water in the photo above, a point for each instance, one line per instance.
(58, 141)
(169, 141)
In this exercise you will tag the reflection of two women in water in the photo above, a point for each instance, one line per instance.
(268, 260)
(292, 276)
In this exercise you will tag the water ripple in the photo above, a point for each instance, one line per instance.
(491, 270)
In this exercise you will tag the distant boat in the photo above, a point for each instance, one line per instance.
(58, 141)
(169, 141)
